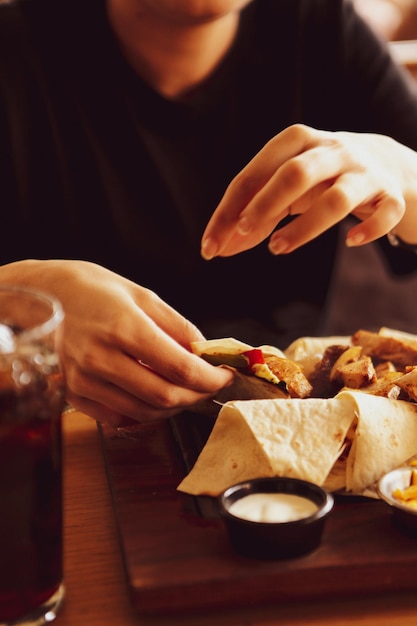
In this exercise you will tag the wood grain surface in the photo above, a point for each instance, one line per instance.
(178, 550)
(97, 586)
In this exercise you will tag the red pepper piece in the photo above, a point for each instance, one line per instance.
(254, 357)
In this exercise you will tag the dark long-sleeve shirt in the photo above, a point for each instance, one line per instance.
(96, 165)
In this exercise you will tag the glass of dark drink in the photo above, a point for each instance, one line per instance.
(31, 404)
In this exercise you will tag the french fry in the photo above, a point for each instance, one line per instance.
(408, 495)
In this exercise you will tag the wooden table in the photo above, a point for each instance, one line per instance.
(97, 594)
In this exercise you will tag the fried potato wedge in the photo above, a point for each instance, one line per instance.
(385, 348)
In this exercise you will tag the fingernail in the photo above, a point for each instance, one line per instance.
(208, 249)
(278, 245)
(244, 226)
(355, 239)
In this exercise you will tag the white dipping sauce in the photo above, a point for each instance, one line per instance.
(272, 507)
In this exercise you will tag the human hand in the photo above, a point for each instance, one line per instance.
(322, 177)
(125, 351)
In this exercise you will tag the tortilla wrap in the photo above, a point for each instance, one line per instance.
(245, 386)
(289, 437)
(230, 345)
(385, 437)
(304, 438)
(308, 351)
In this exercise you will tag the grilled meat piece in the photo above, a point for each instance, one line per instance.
(291, 374)
(323, 387)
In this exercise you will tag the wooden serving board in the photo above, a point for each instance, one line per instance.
(176, 552)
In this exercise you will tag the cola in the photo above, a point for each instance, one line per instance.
(31, 519)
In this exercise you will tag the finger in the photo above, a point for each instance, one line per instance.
(327, 210)
(166, 359)
(156, 391)
(111, 406)
(239, 243)
(132, 388)
(291, 190)
(167, 318)
(384, 214)
(246, 185)
(140, 338)
(293, 180)
(350, 194)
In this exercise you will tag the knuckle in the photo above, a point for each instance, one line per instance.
(398, 206)
(244, 184)
(336, 201)
(148, 298)
(295, 174)
(86, 361)
(393, 207)
(298, 131)
(167, 397)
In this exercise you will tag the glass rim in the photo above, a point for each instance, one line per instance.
(53, 320)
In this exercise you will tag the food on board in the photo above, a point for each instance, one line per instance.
(278, 437)
(357, 421)
(284, 376)
(400, 349)
(347, 442)
(386, 365)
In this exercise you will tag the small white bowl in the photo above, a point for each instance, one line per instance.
(405, 515)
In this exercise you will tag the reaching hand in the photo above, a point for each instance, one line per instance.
(322, 177)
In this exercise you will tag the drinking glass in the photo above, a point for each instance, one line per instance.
(31, 404)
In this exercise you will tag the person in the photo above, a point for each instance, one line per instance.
(178, 169)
